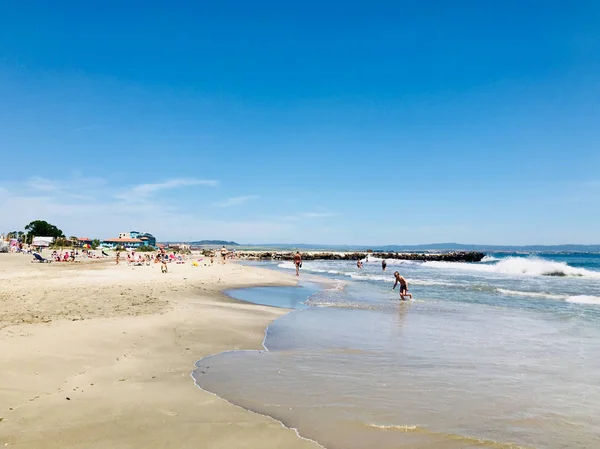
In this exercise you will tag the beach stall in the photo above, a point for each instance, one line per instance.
(42, 242)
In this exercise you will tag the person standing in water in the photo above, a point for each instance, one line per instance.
(298, 262)
(403, 286)
(383, 265)
(359, 264)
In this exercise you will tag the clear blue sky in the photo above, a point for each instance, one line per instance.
(319, 122)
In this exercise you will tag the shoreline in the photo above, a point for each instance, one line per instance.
(314, 278)
(126, 377)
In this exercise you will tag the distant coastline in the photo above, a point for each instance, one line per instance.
(566, 248)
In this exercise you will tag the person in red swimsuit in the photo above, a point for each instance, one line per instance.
(298, 262)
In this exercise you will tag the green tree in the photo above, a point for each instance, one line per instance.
(95, 243)
(41, 228)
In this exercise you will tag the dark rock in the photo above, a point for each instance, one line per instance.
(455, 256)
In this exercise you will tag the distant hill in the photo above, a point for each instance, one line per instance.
(213, 242)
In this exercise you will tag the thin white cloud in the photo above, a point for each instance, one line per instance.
(236, 201)
(40, 184)
(308, 216)
(90, 206)
(105, 217)
(145, 190)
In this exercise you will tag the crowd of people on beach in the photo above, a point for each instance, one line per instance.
(164, 258)
(74, 254)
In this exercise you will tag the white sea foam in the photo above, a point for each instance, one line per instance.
(584, 299)
(394, 427)
(505, 291)
(287, 265)
(489, 259)
(378, 260)
(390, 278)
(532, 266)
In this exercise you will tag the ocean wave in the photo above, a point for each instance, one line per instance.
(576, 299)
(371, 259)
(532, 266)
(395, 427)
(390, 278)
(489, 259)
(287, 265)
(584, 299)
(465, 439)
(291, 266)
(505, 291)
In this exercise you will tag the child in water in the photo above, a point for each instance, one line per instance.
(403, 286)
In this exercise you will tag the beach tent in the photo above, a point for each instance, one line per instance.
(42, 241)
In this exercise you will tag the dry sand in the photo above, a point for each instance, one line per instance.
(94, 355)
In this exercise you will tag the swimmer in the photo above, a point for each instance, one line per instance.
(403, 286)
(383, 265)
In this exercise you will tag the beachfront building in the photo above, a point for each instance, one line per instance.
(132, 239)
(147, 238)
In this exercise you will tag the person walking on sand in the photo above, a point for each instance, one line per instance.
(383, 265)
(403, 286)
(223, 254)
(118, 256)
(298, 262)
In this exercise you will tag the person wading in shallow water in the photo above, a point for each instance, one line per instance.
(383, 265)
(403, 286)
(298, 262)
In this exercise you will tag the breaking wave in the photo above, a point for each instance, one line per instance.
(287, 265)
(532, 266)
(505, 291)
(584, 299)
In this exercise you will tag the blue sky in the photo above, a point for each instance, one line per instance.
(318, 122)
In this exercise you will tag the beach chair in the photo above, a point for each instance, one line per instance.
(38, 258)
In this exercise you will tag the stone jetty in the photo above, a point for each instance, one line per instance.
(456, 256)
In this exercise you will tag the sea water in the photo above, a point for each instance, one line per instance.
(504, 353)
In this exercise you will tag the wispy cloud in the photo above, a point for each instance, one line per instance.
(103, 215)
(309, 216)
(40, 184)
(236, 201)
(145, 190)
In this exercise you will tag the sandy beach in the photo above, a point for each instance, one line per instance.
(95, 355)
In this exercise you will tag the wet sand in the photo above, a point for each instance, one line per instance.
(96, 355)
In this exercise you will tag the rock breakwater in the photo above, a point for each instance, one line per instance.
(456, 256)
